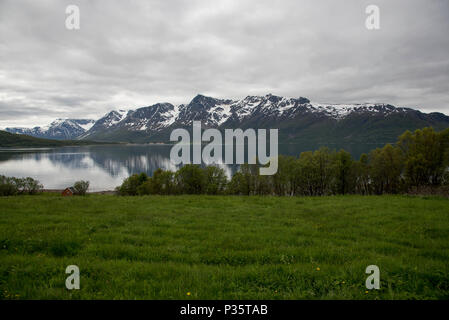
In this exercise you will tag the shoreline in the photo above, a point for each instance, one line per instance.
(89, 192)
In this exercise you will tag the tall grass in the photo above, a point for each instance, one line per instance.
(224, 247)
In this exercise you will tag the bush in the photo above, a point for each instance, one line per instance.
(10, 186)
(162, 182)
(240, 184)
(191, 179)
(130, 185)
(81, 187)
(31, 186)
(216, 180)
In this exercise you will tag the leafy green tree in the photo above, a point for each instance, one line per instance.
(146, 188)
(131, 184)
(307, 174)
(162, 182)
(166, 181)
(264, 185)
(81, 187)
(235, 184)
(386, 165)
(284, 182)
(424, 153)
(241, 183)
(32, 186)
(315, 172)
(8, 187)
(216, 180)
(362, 175)
(344, 173)
(191, 179)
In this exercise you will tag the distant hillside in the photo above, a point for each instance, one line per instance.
(19, 140)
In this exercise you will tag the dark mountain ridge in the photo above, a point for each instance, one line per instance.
(299, 121)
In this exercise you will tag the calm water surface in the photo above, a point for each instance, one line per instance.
(104, 166)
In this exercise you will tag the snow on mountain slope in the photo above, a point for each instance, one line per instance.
(149, 118)
(212, 112)
(341, 111)
(60, 129)
(85, 124)
(216, 113)
(170, 116)
(220, 113)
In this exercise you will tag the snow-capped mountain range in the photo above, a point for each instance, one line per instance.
(60, 129)
(297, 118)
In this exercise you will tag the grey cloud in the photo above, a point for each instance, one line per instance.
(136, 53)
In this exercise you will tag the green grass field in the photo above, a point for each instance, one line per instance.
(218, 247)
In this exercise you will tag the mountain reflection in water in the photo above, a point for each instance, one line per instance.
(105, 166)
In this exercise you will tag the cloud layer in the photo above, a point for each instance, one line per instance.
(136, 53)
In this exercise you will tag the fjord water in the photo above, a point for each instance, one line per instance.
(105, 166)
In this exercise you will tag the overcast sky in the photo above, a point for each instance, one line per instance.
(129, 54)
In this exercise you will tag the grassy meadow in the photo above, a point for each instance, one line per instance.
(224, 247)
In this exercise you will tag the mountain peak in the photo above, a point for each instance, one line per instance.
(199, 98)
(302, 100)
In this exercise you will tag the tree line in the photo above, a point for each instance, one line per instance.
(417, 161)
(11, 186)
